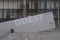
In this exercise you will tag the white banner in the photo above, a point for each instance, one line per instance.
(35, 23)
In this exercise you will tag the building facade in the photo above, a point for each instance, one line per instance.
(13, 9)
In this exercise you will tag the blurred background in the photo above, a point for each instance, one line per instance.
(15, 9)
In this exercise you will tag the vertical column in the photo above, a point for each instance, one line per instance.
(24, 8)
(36, 7)
(21, 7)
(3, 11)
(5, 7)
(29, 4)
(42, 5)
(0, 14)
(18, 8)
(58, 14)
(12, 11)
(45, 5)
(54, 4)
(39, 6)
(30, 7)
(27, 8)
(49, 5)
(55, 9)
(15, 7)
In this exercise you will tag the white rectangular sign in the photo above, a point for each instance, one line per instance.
(35, 23)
